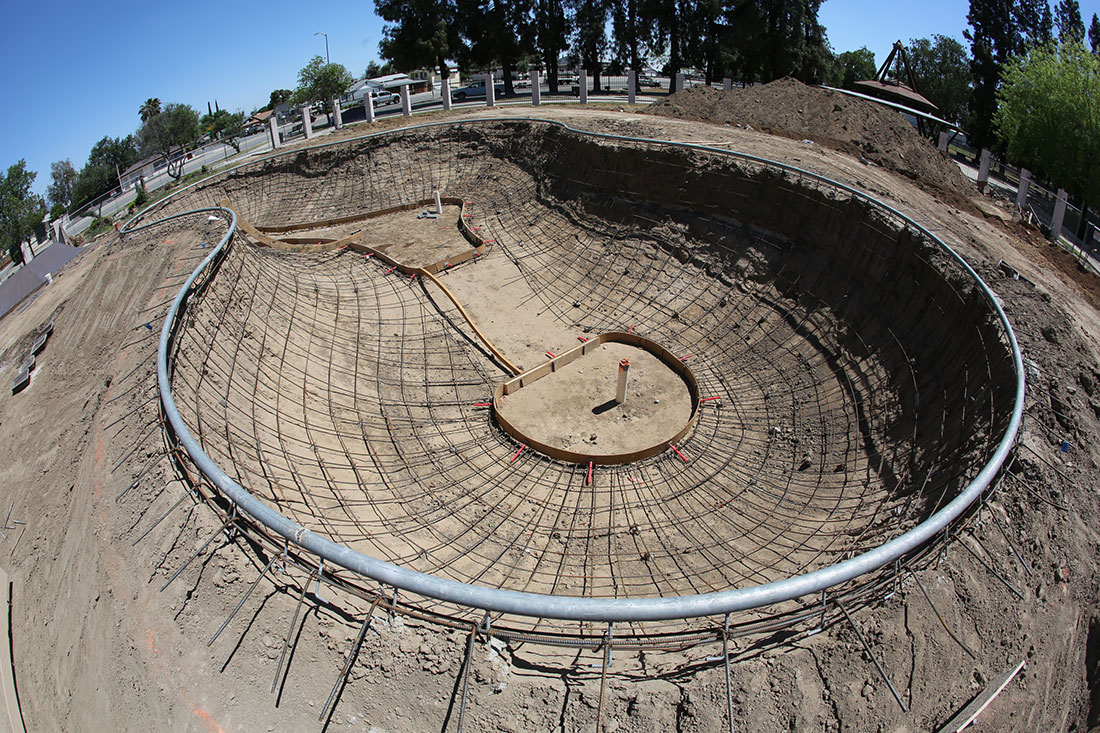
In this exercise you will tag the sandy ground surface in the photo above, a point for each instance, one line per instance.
(98, 645)
(574, 408)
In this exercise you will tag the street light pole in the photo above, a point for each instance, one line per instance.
(327, 59)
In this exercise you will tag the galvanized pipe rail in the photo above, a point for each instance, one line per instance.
(536, 605)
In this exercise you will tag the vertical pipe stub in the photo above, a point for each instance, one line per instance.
(624, 374)
(438, 203)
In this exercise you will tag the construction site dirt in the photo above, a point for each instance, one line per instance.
(353, 397)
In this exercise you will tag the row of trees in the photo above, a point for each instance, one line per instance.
(749, 40)
(21, 210)
(167, 130)
(1001, 30)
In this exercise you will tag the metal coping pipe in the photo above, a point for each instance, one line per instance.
(570, 607)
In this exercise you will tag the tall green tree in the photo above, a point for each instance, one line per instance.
(1067, 16)
(1094, 34)
(792, 42)
(1035, 22)
(940, 69)
(108, 157)
(995, 38)
(150, 109)
(320, 82)
(21, 210)
(62, 179)
(552, 31)
(418, 33)
(745, 21)
(626, 31)
(665, 32)
(225, 126)
(278, 97)
(1049, 115)
(495, 33)
(173, 129)
(590, 34)
(853, 66)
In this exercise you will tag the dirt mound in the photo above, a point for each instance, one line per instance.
(855, 126)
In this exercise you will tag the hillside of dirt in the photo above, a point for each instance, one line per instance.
(863, 129)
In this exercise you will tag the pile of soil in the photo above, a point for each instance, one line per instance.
(866, 130)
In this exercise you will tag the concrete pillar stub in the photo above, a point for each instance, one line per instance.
(445, 93)
(631, 86)
(536, 88)
(307, 121)
(584, 86)
(943, 141)
(1021, 192)
(679, 82)
(337, 113)
(1059, 215)
(406, 103)
(273, 126)
(490, 91)
(727, 84)
(368, 106)
(983, 169)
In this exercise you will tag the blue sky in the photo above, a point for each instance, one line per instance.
(77, 71)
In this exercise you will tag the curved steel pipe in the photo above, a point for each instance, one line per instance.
(577, 608)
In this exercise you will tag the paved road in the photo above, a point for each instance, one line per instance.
(212, 156)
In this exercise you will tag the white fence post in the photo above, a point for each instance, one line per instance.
(338, 115)
(679, 82)
(445, 92)
(983, 169)
(490, 91)
(368, 106)
(584, 86)
(273, 125)
(631, 86)
(406, 104)
(1021, 192)
(307, 121)
(536, 88)
(727, 84)
(1059, 215)
(943, 141)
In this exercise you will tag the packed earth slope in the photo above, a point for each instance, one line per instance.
(871, 132)
(98, 645)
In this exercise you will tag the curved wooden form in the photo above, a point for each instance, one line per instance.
(258, 235)
(605, 459)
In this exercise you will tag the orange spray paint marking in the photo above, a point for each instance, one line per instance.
(208, 720)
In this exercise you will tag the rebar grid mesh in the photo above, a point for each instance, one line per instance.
(861, 388)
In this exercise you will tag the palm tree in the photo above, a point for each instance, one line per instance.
(150, 109)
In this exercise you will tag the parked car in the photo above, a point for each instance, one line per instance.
(476, 89)
(381, 97)
(647, 81)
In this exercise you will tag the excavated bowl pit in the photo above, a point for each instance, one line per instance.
(850, 378)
